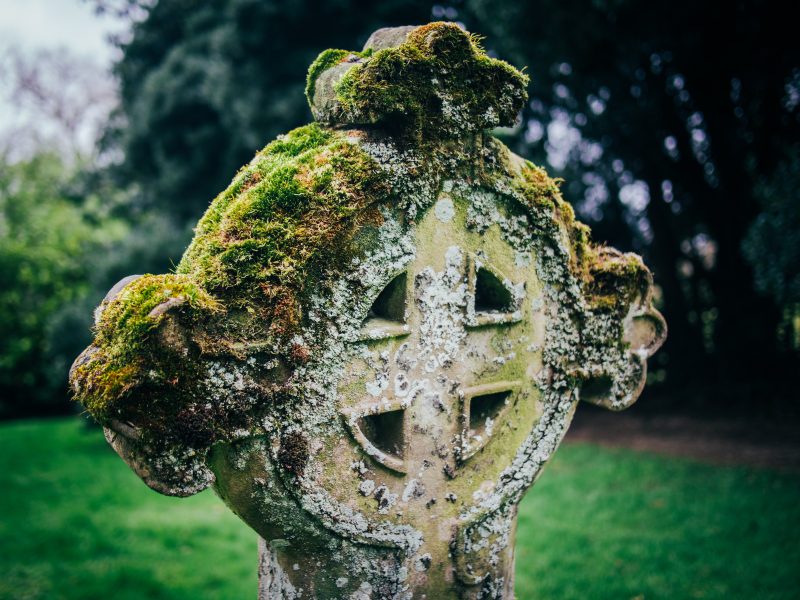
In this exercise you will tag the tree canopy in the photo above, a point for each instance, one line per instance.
(49, 236)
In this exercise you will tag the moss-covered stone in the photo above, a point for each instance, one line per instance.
(259, 361)
(438, 82)
(616, 280)
(326, 60)
(124, 335)
(291, 209)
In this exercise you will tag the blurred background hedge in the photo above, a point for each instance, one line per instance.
(674, 124)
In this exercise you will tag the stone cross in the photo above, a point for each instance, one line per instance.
(379, 334)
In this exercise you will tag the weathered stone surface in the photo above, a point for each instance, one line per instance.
(388, 37)
(378, 336)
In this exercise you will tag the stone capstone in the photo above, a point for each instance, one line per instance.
(426, 82)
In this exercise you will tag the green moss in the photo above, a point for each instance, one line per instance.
(127, 319)
(124, 333)
(273, 155)
(541, 191)
(327, 59)
(580, 246)
(439, 81)
(291, 209)
(616, 280)
(612, 280)
(295, 142)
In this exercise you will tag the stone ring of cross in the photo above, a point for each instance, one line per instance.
(379, 334)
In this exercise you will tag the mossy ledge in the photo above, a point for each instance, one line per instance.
(439, 82)
(617, 280)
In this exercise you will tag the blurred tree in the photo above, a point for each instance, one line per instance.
(48, 237)
(63, 240)
(772, 244)
(665, 116)
(205, 85)
(60, 102)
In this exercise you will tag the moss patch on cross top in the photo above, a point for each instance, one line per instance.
(285, 213)
(438, 83)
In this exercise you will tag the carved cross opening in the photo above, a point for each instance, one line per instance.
(434, 399)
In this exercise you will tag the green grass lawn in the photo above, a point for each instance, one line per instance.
(76, 523)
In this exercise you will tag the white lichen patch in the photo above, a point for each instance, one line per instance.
(442, 300)
(444, 209)
(367, 487)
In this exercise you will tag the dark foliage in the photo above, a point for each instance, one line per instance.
(697, 104)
